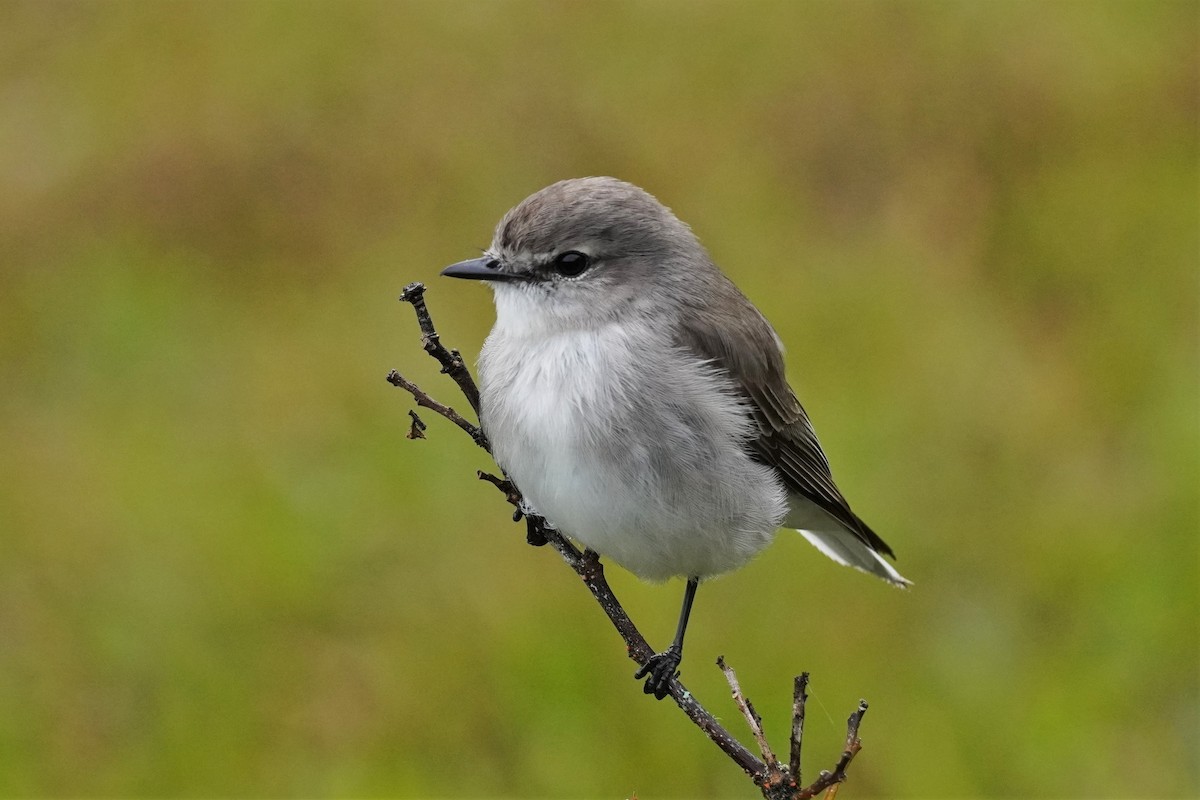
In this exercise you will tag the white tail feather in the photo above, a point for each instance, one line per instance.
(838, 542)
(848, 550)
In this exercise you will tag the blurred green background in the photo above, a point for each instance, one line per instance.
(225, 572)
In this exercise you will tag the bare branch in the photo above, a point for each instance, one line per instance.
(799, 699)
(424, 400)
(752, 717)
(853, 744)
(506, 487)
(451, 360)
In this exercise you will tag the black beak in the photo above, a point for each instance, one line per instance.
(478, 269)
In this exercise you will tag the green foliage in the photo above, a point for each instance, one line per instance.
(225, 572)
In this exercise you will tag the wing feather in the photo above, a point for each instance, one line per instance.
(751, 355)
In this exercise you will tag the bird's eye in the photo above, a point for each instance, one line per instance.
(571, 263)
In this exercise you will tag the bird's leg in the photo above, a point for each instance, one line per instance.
(660, 669)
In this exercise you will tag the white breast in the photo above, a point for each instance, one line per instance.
(629, 446)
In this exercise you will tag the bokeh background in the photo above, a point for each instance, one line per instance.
(225, 572)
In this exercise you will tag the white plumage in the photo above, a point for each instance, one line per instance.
(560, 406)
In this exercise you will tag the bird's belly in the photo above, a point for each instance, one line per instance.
(652, 484)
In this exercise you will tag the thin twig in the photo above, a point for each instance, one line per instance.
(853, 744)
(424, 400)
(451, 360)
(506, 487)
(752, 717)
(799, 699)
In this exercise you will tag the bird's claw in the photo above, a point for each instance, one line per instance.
(535, 525)
(659, 670)
(535, 532)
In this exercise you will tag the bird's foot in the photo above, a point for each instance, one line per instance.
(535, 531)
(535, 525)
(659, 670)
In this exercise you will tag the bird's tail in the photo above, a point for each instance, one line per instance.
(841, 544)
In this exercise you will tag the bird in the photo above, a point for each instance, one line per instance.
(639, 401)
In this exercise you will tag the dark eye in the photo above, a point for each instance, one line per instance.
(571, 263)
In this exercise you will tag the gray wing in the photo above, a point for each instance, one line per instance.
(750, 353)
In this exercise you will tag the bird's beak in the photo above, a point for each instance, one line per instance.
(478, 269)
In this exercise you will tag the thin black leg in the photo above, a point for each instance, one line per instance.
(662, 668)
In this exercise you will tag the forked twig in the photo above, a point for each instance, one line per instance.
(425, 401)
(774, 780)
(779, 781)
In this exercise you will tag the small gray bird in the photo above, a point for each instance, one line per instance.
(638, 399)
